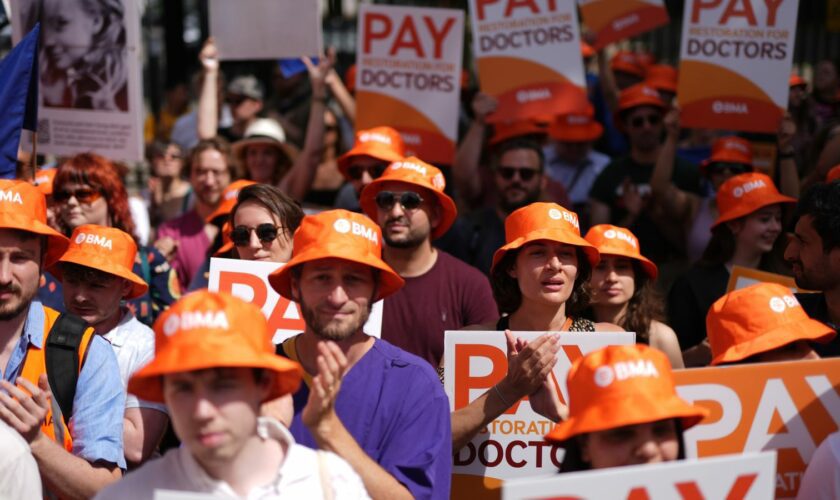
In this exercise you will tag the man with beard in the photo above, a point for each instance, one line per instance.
(185, 239)
(621, 192)
(814, 253)
(380, 408)
(75, 461)
(441, 292)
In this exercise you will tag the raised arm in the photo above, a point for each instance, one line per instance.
(207, 115)
(607, 80)
(465, 171)
(788, 173)
(676, 202)
(342, 95)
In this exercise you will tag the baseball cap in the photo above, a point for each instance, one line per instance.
(338, 234)
(246, 85)
(743, 194)
(105, 249)
(757, 319)
(729, 149)
(627, 62)
(576, 127)
(415, 172)
(662, 77)
(614, 240)
(229, 197)
(23, 207)
(382, 143)
(43, 180)
(503, 131)
(622, 385)
(212, 330)
(543, 221)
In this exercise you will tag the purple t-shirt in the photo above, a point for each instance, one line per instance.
(188, 231)
(450, 296)
(393, 405)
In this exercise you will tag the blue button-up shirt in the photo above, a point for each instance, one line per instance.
(96, 425)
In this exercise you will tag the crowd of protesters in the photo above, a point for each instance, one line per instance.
(613, 218)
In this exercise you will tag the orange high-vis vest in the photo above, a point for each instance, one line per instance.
(34, 365)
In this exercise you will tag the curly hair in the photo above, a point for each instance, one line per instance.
(509, 297)
(645, 306)
(97, 172)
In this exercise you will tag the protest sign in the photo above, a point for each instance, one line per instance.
(735, 61)
(788, 407)
(248, 280)
(408, 76)
(512, 445)
(614, 20)
(528, 57)
(274, 29)
(743, 477)
(91, 87)
(742, 277)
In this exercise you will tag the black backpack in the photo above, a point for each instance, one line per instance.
(61, 357)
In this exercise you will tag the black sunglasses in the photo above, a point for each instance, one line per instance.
(356, 172)
(409, 200)
(241, 235)
(733, 168)
(82, 195)
(639, 121)
(526, 174)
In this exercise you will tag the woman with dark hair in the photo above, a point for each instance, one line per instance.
(623, 290)
(632, 420)
(88, 189)
(263, 222)
(540, 280)
(746, 234)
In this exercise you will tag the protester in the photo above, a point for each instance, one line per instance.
(372, 152)
(375, 405)
(214, 396)
(19, 476)
(623, 291)
(540, 280)
(169, 193)
(762, 323)
(627, 69)
(263, 222)
(74, 460)
(801, 110)
(746, 233)
(88, 190)
(826, 91)
(185, 240)
(96, 276)
(616, 421)
(440, 293)
(814, 253)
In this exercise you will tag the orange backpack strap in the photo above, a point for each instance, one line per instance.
(64, 353)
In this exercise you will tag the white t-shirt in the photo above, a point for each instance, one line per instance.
(822, 477)
(299, 475)
(134, 344)
(19, 476)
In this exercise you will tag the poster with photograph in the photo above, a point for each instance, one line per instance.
(90, 91)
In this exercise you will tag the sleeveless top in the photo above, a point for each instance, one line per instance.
(571, 324)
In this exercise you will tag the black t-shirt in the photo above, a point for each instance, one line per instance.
(816, 307)
(474, 238)
(608, 189)
(690, 299)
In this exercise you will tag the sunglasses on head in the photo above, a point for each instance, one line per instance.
(526, 174)
(82, 195)
(639, 121)
(356, 172)
(733, 168)
(408, 200)
(267, 232)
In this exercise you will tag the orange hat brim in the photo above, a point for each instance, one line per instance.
(647, 265)
(551, 234)
(98, 262)
(576, 133)
(57, 243)
(741, 209)
(808, 329)
(371, 148)
(449, 211)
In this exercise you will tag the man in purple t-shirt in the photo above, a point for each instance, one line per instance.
(380, 408)
(184, 240)
(441, 292)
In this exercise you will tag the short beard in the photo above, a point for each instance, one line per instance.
(509, 206)
(334, 333)
(411, 241)
(7, 313)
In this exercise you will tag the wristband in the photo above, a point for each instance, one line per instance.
(499, 393)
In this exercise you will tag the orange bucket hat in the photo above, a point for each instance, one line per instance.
(833, 174)
(543, 221)
(743, 194)
(640, 94)
(627, 62)
(229, 197)
(757, 319)
(212, 330)
(662, 77)
(105, 249)
(576, 127)
(729, 149)
(503, 131)
(614, 240)
(382, 143)
(796, 81)
(586, 50)
(24, 207)
(227, 243)
(622, 385)
(415, 172)
(338, 234)
(43, 180)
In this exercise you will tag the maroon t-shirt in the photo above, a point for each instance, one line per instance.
(450, 296)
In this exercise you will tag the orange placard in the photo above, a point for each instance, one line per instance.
(614, 20)
(788, 407)
(408, 76)
(742, 277)
(735, 59)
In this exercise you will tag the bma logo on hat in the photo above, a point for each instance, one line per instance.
(623, 370)
(738, 145)
(191, 320)
(345, 226)
(420, 169)
(232, 194)
(779, 304)
(375, 137)
(11, 197)
(604, 376)
(558, 214)
(439, 182)
(746, 187)
(577, 119)
(612, 234)
(650, 91)
(94, 239)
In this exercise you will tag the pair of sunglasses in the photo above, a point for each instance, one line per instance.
(526, 174)
(356, 172)
(639, 121)
(267, 232)
(82, 195)
(408, 200)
